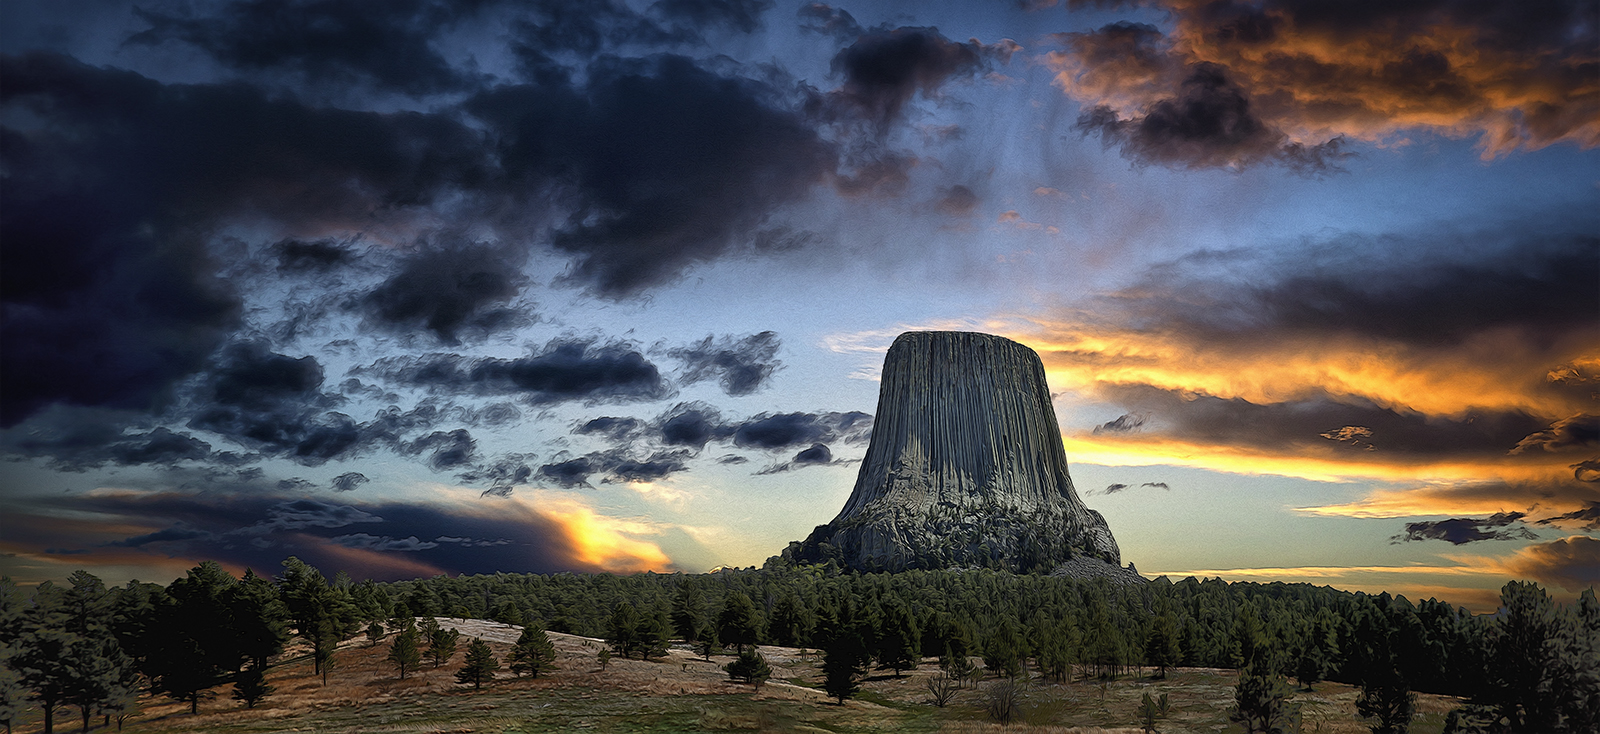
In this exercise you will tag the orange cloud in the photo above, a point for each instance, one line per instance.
(1497, 370)
(1572, 563)
(1469, 498)
(1373, 71)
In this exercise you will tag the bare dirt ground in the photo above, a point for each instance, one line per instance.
(684, 692)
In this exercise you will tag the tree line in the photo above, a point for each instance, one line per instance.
(1533, 667)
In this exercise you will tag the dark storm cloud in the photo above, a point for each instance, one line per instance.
(1571, 432)
(111, 188)
(446, 449)
(1207, 124)
(294, 484)
(740, 365)
(301, 256)
(170, 535)
(349, 481)
(1586, 471)
(1304, 421)
(273, 403)
(564, 370)
(1587, 518)
(691, 424)
(388, 45)
(885, 67)
(817, 455)
(1468, 530)
(1125, 423)
(785, 430)
(739, 15)
(1527, 279)
(670, 164)
(382, 543)
(82, 439)
(503, 475)
(614, 428)
(447, 290)
(308, 513)
(829, 21)
(1115, 488)
(616, 465)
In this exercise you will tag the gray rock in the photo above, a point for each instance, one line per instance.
(965, 468)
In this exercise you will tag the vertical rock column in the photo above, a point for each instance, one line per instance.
(965, 465)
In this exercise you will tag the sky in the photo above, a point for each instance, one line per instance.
(419, 287)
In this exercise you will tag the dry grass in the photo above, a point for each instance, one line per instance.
(683, 692)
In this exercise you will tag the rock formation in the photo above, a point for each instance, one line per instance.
(965, 468)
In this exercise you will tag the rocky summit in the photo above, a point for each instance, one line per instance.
(965, 469)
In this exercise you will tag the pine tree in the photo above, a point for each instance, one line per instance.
(622, 629)
(843, 661)
(250, 686)
(533, 653)
(688, 611)
(1002, 650)
(405, 652)
(791, 624)
(736, 624)
(441, 644)
(751, 667)
(1262, 697)
(480, 665)
(41, 657)
(897, 644)
(1385, 697)
(1161, 645)
(375, 634)
(708, 642)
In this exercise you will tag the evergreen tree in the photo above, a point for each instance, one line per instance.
(708, 642)
(480, 664)
(750, 667)
(441, 644)
(736, 623)
(791, 623)
(1161, 645)
(897, 644)
(688, 611)
(1386, 698)
(197, 649)
(405, 652)
(250, 686)
(257, 619)
(1002, 650)
(622, 630)
(41, 659)
(533, 653)
(375, 633)
(655, 632)
(844, 660)
(1262, 698)
(320, 613)
(1056, 645)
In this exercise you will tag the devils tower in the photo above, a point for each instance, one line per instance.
(965, 469)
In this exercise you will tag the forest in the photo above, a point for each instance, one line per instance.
(85, 649)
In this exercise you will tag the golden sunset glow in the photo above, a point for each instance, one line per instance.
(602, 542)
(1496, 371)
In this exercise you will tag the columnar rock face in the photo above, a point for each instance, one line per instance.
(965, 468)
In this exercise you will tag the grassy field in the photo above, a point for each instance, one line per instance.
(686, 693)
